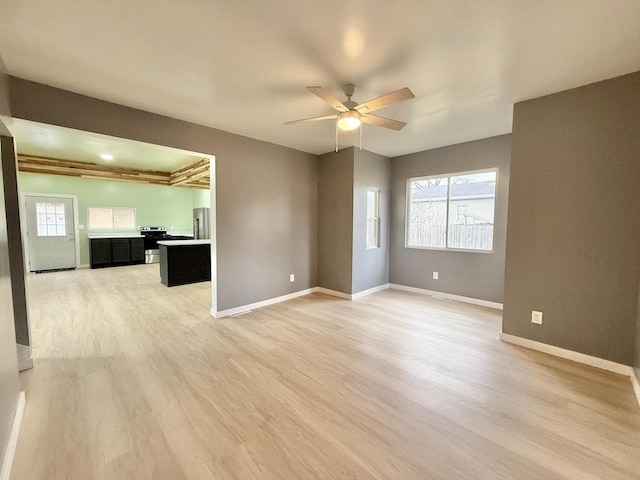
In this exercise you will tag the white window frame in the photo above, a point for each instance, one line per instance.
(113, 209)
(376, 218)
(407, 212)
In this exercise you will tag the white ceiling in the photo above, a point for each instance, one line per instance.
(63, 143)
(242, 65)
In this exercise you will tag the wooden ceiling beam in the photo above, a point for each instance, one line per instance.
(195, 175)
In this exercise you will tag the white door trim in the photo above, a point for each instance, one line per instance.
(23, 223)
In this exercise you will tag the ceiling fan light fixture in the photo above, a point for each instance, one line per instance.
(349, 120)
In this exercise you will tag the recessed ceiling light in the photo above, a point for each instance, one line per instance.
(106, 156)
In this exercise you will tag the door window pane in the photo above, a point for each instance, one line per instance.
(51, 219)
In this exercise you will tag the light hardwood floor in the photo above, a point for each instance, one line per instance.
(133, 380)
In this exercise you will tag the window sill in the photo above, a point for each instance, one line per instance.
(459, 250)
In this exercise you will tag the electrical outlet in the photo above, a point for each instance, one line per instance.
(171, 227)
(435, 275)
(536, 317)
(292, 277)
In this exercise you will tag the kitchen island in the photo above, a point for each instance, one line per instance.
(184, 261)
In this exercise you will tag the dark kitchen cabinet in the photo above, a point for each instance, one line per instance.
(120, 250)
(182, 264)
(137, 250)
(111, 252)
(100, 252)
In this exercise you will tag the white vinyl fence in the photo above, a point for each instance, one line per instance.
(474, 237)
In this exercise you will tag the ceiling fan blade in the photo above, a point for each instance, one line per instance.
(383, 122)
(386, 100)
(328, 98)
(312, 119)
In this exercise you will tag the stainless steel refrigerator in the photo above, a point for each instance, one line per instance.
(201, 225)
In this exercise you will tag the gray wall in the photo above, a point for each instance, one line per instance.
(370, 267)
(574, 219)
(9, 386)
(636, 362)
(475, 275)
(266, 200)
(14, 236)
(335, 220)
(8, 355)
(266, 224)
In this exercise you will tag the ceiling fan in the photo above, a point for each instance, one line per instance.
(352, 114)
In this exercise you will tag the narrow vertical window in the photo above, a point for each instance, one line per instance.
(373, 219)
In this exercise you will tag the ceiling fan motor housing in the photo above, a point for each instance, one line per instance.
(348, 89)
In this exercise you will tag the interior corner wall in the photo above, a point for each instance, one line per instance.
(9, 386)
(469, 274)
(335, 220)
(266, 194)
(201, 198)
(370, 267)
(14, 237)
(574, 219)
(636, 361)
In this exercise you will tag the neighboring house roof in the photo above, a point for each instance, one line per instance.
(457, 190)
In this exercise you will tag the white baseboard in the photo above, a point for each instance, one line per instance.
(448, 296)
(568, 354)
(10, 453)
(348, 296)
(369, 291)
(635, 381)
(83, 265)
(263, 303)
(25, 359)
(333, 293)
(284, 298)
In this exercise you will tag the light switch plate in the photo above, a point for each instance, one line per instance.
(292, 278)
(435, 275)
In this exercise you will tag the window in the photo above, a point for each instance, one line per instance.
(51, 219)
(373, 219)
(452, 211)
(111, 218)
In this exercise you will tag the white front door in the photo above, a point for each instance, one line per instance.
(50, 233)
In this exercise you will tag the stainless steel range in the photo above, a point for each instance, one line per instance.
(151, 236)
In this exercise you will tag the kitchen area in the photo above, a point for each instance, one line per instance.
(183, 258)
(114, 203)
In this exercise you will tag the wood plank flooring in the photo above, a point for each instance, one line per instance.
(133, 380)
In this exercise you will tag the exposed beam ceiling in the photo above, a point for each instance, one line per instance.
(195, 175)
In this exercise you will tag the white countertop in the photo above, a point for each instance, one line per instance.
(118, 235)
(178, 243)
